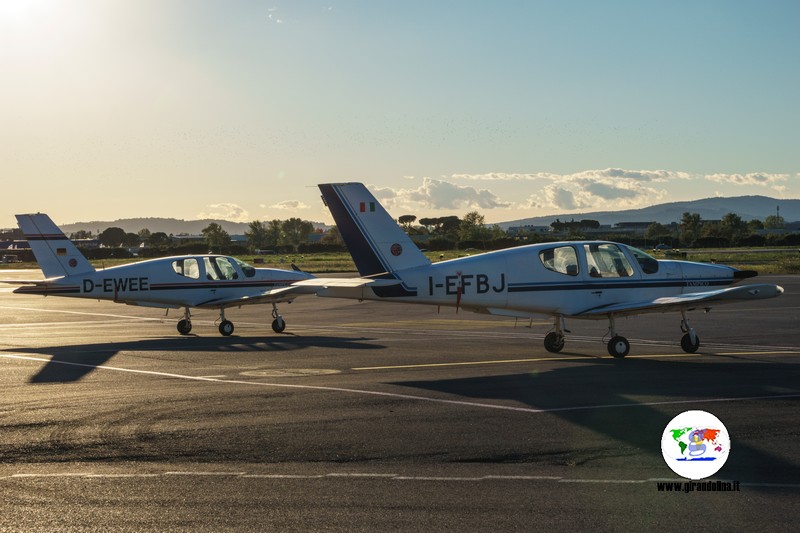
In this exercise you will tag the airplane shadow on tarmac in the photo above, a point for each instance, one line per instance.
(598, 395)
(73, 363)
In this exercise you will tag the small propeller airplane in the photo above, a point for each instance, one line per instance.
(596, 280)
(206, 281)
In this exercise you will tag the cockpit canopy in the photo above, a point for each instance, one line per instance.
(212, 267)
(603, 259)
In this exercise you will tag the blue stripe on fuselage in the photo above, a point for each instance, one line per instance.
(537, 287)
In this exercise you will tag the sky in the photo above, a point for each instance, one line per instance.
(237, 109)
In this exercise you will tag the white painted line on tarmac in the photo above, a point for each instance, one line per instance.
(393, 395)
(568, 358)
(207, 473)
(82, 313)
(379, 477)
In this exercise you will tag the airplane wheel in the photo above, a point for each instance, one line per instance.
(686, 343)
(278, 325)
(226, 327)
(184, 327)
(619, 346)
(553, 342)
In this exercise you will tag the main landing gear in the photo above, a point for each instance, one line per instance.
(185, 324)
(226, 326)
(690, 342)
(278, 324)
(618, 346)
(554, 341)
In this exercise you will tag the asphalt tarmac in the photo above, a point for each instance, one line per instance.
(374, 416)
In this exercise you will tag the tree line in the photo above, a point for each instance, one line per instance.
(446, 233)
(276, 235)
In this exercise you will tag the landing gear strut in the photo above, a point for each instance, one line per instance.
(618, 346)
(185, 324)
(278, 324)
(225, 326)
(690, 342)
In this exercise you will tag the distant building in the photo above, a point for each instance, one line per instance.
(633, 228)
(518, 231)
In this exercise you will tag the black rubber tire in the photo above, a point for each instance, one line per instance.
(686, 343)
(619, 347)
(553, 342)
(278, 325)
(184, 326)
(226, 328)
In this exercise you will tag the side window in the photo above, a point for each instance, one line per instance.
(606, 260)
(212, 271)
(187, 267)
(226, 268)
(563, 260)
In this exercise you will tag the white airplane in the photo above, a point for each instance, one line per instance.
(193, 281)
(580, 279)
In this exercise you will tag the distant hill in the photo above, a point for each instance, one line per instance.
(172, 226)
(747, 207)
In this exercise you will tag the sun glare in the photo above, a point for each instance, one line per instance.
(24, 13)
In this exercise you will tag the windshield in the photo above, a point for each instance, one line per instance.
(648, 263)
(248, 270)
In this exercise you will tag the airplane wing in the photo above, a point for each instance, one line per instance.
(744, 293)
(289, 292)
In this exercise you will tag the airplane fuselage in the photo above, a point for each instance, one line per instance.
(565, 278)
(169, 282)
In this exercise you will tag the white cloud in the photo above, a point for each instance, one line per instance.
(658, 176)
(438, 194)
(231, 212)
(762, 179)
(289, 205)
(561, 198)
(608, 189)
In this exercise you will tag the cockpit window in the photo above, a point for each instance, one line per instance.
(219, 268)
(563, 260)
(226, 269)
(187, 267)
(648, 263)
(606, 260)
(248, 270)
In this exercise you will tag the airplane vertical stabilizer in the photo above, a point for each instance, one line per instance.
(54, 252)
(374, 239)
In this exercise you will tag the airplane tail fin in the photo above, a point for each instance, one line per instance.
(375, 241)
(54, 252)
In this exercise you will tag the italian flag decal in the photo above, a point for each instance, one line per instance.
(362, 207)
